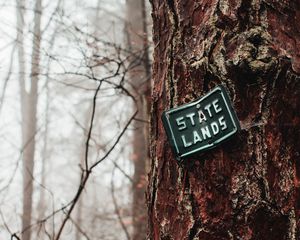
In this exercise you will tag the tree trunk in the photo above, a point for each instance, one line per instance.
(139, 79)
(249, 186)
(29, 108)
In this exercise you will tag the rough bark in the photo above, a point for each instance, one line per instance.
(29, 109)
(247, 188)
(139, 79)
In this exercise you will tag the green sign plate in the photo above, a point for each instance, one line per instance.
(202, 124)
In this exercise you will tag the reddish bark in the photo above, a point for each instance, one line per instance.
(249, 187)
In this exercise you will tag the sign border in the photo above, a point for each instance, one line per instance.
(232, 115)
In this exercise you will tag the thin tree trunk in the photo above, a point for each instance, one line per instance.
(248, 187)
(42, 201)
(139, 77)
(28, 106)
(45, 155)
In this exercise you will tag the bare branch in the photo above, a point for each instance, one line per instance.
(4, 223)
(80, 229)
(91, 127)
(122, 171)
(116, 142)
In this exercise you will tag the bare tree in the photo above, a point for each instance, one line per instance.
(139, 72)
(42, 203)
(29, 109)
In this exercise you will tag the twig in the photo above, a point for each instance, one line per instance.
(122, 171)
(86, 157)
(80, 229)
(7, 77)
(4, 223)
(15, 236)
(117, 209)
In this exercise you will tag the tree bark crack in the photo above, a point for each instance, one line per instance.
(175, 23)
(196, 227)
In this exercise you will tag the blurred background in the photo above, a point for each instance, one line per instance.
(74, 105)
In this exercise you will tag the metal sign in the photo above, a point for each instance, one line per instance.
(202, 124)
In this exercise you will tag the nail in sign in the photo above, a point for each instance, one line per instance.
(202, 124)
